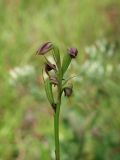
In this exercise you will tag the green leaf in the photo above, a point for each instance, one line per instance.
(49, 93)
(65, 63)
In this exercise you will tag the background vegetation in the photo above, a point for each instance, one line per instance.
(90, 119)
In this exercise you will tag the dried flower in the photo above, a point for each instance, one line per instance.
(72, 52)
(49, 66)
(53, 80)
(68, 91)
(44, 48)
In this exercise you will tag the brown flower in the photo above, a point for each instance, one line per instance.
(44, 48)
(72, 52)
(49, 66)
(68, 91)
(54, 80)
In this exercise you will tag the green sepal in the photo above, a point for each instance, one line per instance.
(56, 55)
(65, 63)
(49, 93)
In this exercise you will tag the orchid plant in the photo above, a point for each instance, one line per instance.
(55, 78)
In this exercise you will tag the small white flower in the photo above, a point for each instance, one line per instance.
(101, 44)
(111, 50)
(20, 72)
(91, 51)
(93, 68)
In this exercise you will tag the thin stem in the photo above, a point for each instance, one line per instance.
(56, 118)
(56, 132)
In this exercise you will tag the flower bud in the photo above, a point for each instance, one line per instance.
(72, 52)
(68, 91)
(44, 48)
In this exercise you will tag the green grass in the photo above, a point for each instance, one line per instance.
(89, 124)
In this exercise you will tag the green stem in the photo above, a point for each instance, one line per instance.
(56, 132)
(56, 120)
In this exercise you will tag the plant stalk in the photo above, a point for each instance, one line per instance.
(56, 132)
(56, 120)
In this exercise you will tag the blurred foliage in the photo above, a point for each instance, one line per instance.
(90, 123)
